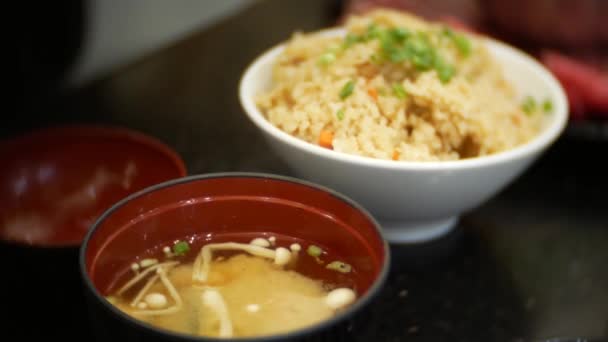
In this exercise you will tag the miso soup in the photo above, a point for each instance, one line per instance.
(220, 287)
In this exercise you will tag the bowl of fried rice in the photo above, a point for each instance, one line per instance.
(419, 122)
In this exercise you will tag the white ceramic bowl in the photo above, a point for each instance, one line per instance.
(414, 201)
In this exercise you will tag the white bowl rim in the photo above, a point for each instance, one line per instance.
(548, 135)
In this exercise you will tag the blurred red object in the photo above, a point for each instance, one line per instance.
(566, 24)
(579, 60)
(57, 181)
(587, 88)
(466, 10)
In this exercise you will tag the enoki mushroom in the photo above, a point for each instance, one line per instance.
(214, 300)
(143, 274)
(162, 273)
(202, 264)
(144, 289)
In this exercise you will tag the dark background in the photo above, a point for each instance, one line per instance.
(531, 263)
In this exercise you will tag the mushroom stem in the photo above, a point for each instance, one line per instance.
(162, 273)
(203, 260)
(143, 290)
(172, 291)
(168, 311)
(214, 300)
(143, 274)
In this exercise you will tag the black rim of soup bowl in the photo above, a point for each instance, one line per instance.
(303, 333)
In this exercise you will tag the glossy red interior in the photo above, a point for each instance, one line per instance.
(229, 204)
(55, 182)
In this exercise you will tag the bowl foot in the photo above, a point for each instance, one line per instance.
(417, 231)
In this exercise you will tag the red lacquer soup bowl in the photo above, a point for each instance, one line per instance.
(235, 207)
(54, 183)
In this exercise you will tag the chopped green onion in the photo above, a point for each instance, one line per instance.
(462, 43)
(399, 91)
(340, 113)
(347, 89)
(392, 50)
(528, 105)
(314, 251)
(422, 62)
(398, 33)
(547, 106)
(418, 44)
(420, 51)
(327, 58)
(392, 44)
(339, 266)
(350, 40)
(398, 45)
(373, 31)
(444, 71)
(181, 248)
(396, 54)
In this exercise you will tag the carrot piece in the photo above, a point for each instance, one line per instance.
(516, 119)
(395, 155)
(373, 93)
(326, 138)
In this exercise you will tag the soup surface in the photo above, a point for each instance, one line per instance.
(231, 289)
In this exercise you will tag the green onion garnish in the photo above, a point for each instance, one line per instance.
(399, 91)
(528, 105)
(327, 58)
(444, 71)
(547, 106)
(399, 45)
(350, 40)
(339, 266)
(347, 89)
(314, 251)
(398, 33)
(340, 113)
(373, 31)
(462, 43)
(420, 52)
(181, 248)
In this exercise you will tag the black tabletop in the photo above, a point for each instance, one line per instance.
(530, 263)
